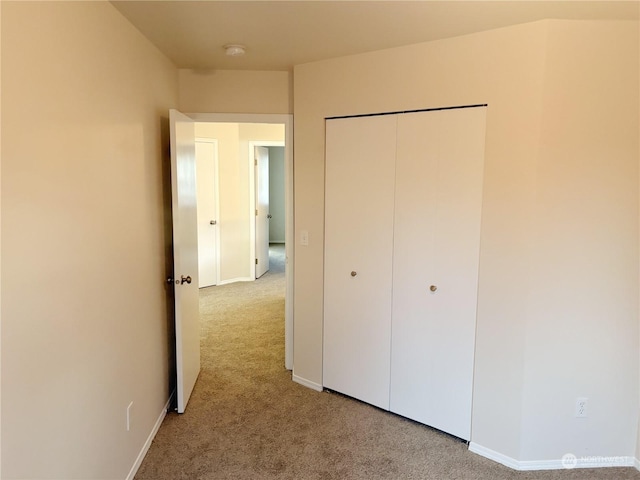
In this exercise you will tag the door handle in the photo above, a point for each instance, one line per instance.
(184, 279)
(213, 222)
(433, 288)
(269, 216)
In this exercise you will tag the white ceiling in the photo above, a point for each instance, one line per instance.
(280, 34)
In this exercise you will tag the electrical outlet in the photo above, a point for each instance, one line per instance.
(581, 407)
(129, 412)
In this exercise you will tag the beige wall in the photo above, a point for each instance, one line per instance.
(465, 70)
(84, 239)
(582, 326)
(0, 243)
(516, 72)
(235, 91)
(235, 187)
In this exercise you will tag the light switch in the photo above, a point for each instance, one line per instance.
(304, 237)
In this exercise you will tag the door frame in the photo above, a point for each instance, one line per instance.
(216, 187)
(287, 121)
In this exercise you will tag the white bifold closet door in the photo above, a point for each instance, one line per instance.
(402, 240)
(438, 199)
(358, 257)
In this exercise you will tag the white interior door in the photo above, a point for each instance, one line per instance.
(185, 254)
(261, 155)
(360, 168)
(208, 229)
(439, 170)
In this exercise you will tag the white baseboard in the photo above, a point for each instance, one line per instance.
(147, 444)
(495, 456)
(637, 464)
(559, 464)
(307, 383)
(234, 280)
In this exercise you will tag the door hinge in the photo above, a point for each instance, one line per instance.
(256, 261)
(256, 212)
(255, 162)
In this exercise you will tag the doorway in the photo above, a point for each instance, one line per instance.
(245, 270)
(268, 187)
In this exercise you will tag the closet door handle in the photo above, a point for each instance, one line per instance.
(354, 273)
(433, 288)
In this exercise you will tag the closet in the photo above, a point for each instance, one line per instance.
(403, 200)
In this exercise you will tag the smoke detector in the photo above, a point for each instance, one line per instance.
(234, 50)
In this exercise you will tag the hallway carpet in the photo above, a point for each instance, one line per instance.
(247, 420)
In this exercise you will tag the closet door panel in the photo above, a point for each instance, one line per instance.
(360, 154)
(437, 237)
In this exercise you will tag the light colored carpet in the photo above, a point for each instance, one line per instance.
(247, 420)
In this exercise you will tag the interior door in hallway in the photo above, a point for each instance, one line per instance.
(185, 254)
(208, 228)
(261, 156)
(439, 171)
